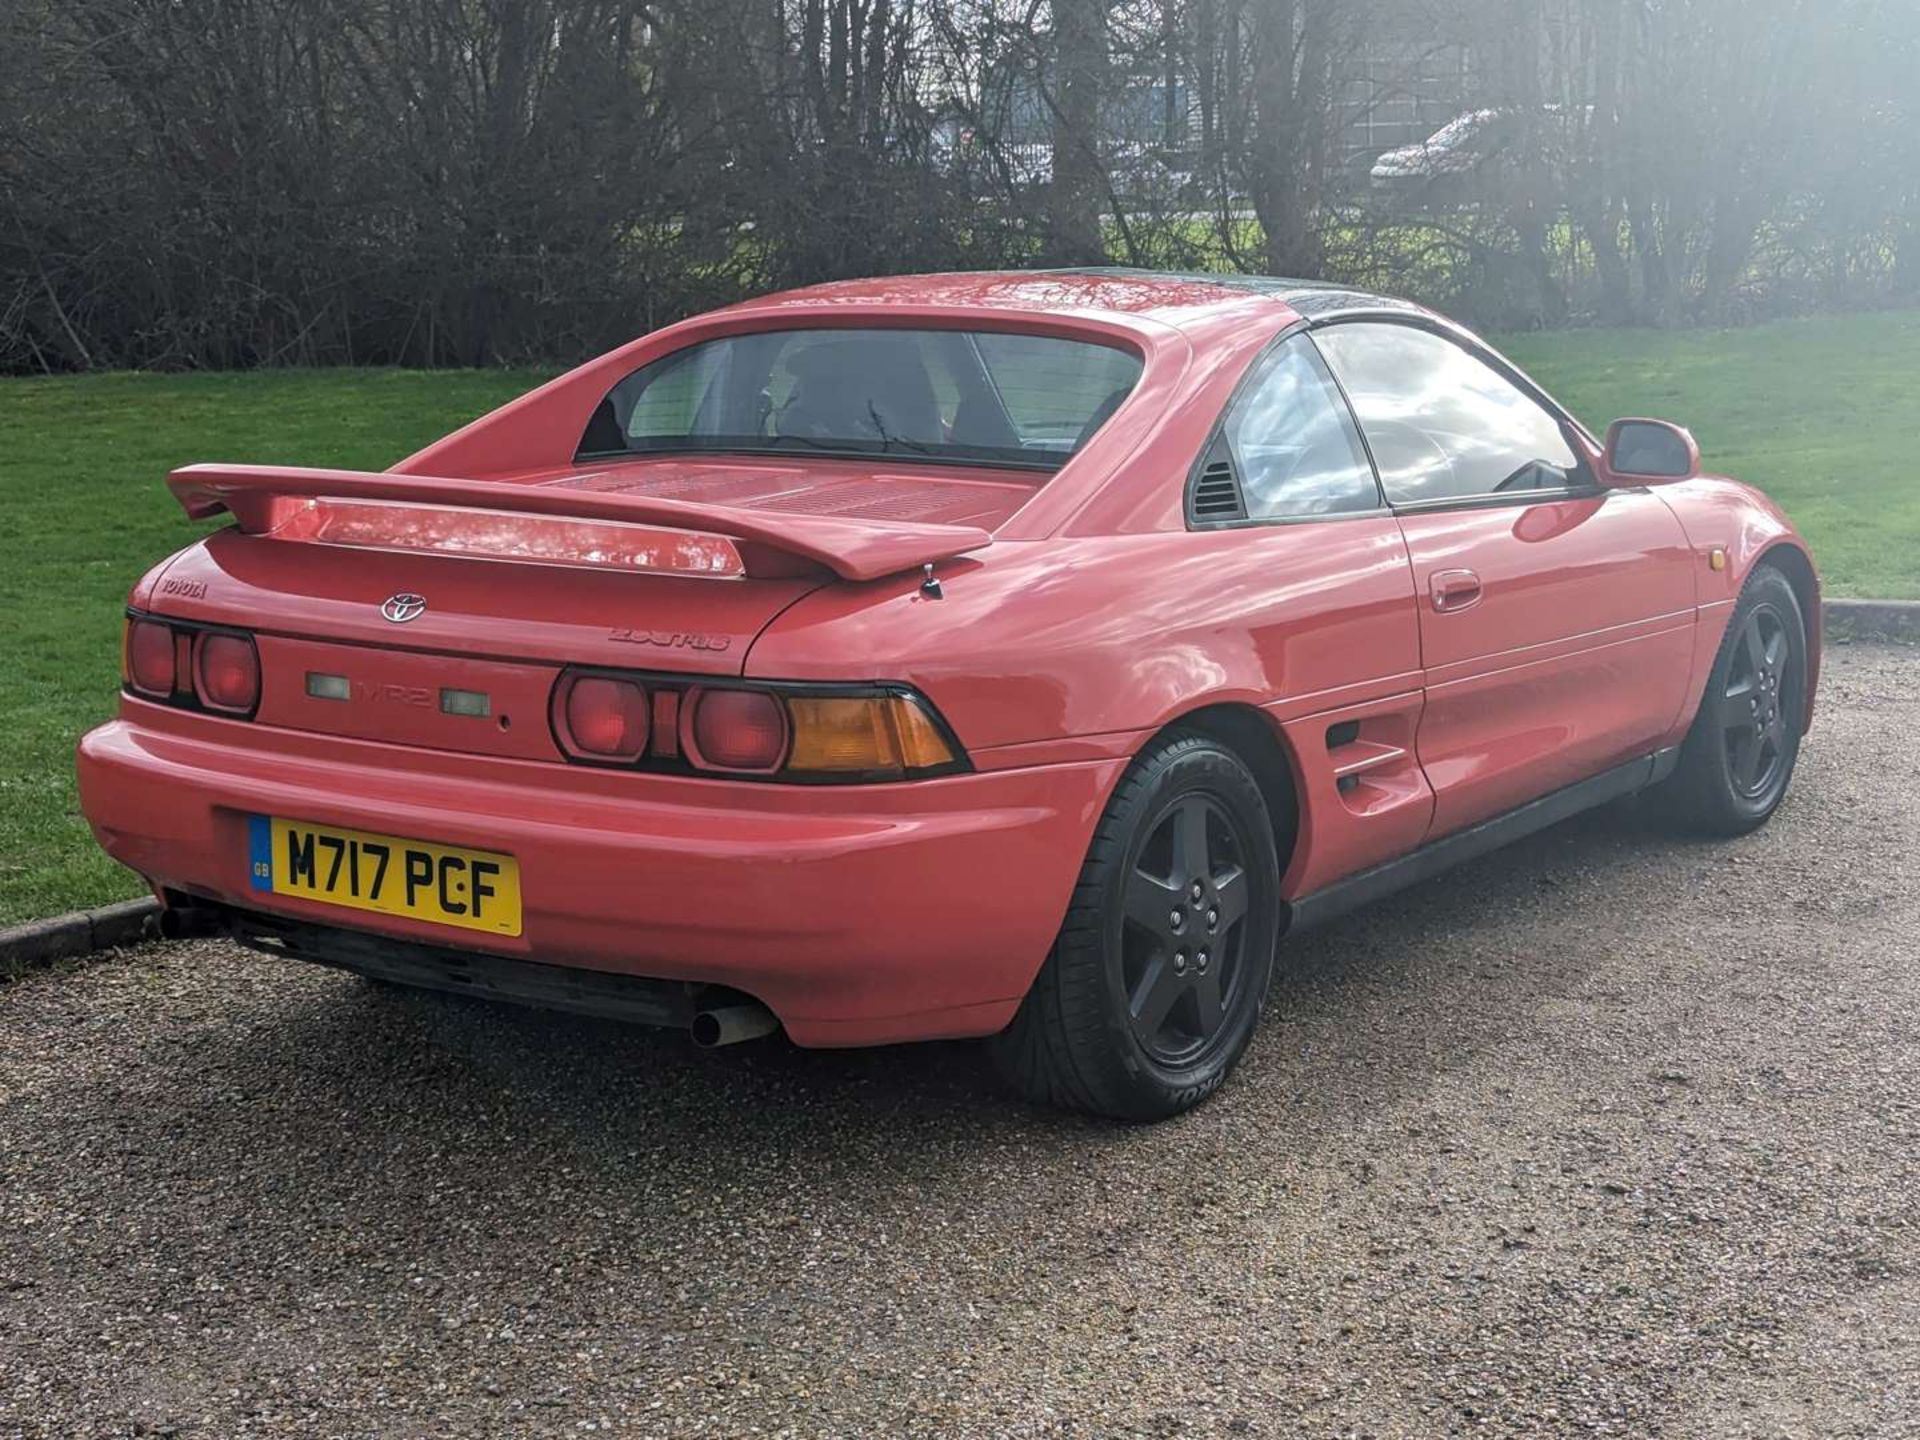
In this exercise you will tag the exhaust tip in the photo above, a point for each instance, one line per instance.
(731, 1024)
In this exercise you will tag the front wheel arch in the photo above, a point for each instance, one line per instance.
(1794, 564)
(1744, 715)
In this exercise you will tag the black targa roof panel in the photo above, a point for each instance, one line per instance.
(1313, 299)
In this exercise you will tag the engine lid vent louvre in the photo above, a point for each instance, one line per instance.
(1216, 494)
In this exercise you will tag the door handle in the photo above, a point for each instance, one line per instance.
(1454, 589)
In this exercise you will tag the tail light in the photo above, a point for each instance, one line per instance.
(226, 672)
(149, 652)
(798, 733)
(737, 730)
(191, 666)
(600, 717)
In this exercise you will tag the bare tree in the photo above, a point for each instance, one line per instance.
(260, 182)
(1080, 63)
(1285, 157)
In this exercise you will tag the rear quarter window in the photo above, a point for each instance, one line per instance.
(1293, 441)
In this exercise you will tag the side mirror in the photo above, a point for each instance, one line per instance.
(1647, 452)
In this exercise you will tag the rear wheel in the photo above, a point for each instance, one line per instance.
(1739, 756)
(1154, 986)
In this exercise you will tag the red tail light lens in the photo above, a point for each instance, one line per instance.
(191, 666)
(226, 672)
(739, 730)
(149, 653)
(603, 718)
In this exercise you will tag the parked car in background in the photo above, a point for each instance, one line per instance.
(958, 149)
(1475, 154)
(1152, 176)
(1454, 148)
(1016, 655)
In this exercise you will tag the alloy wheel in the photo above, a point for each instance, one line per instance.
(1183, 932)
(1755, 710)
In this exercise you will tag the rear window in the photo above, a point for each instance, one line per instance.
(972, 397)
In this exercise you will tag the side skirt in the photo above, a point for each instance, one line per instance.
(1477, 840)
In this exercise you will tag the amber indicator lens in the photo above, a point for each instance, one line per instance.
(880, 735)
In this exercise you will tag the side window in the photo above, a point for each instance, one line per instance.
(1293, 442)
(1442, 423)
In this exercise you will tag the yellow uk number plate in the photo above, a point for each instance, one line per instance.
(474, 889)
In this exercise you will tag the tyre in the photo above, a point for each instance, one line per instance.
(1155, 984)
(1739, 755)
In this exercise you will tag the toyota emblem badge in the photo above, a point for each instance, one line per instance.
(404, 607)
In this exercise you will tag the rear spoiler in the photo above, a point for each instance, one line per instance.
(263, 499)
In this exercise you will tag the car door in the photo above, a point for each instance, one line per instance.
(1556, 618)
(1333, 622)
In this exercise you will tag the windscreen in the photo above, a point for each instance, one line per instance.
(960, 396)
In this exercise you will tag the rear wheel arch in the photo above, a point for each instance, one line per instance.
(1125, 1018)
(1260, 745)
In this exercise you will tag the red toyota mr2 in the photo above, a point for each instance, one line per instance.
(1010, 655)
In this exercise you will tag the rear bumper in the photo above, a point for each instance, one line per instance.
(859, 915)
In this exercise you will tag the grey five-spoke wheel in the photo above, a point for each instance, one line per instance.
(1752, 707)
(1739, 756)
(1185, 920)
(1154, 987)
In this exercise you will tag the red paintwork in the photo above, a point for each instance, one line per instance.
(1576, 656)
(796, 894)
(1078, 617)
(893, 495)
(1604, 471)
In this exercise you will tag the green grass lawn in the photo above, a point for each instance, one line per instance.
(1820, 412)
(82, 516)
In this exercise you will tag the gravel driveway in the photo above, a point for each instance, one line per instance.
(1607, 1134)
